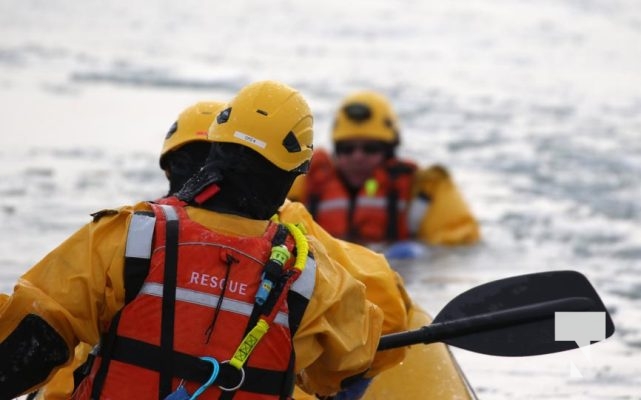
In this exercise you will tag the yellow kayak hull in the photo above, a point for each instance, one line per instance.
(427, 372)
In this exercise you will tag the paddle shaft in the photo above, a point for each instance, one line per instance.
(440, 331)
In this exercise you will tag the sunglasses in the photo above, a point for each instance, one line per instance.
(370, 148)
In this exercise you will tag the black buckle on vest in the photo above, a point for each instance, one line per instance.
(193, 369)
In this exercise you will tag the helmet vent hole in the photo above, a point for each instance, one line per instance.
(291, 143)
(358, 112)
(172, 130)
(223, 116)
(262, 112)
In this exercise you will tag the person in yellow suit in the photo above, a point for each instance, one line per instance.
(75, 292)
(365, 193)
(180, 152)
(186, 144)
(184, 151)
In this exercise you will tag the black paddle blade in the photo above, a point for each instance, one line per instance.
(516, 316)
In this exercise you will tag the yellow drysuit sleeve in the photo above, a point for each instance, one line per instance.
(368, 267)
(329, 346)
(78, 288)
(445, 218)
(60, 387)
(297, 191)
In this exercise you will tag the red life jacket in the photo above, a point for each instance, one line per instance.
(155, 342)
(374, 214)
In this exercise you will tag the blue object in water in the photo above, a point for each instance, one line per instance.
(405, 250)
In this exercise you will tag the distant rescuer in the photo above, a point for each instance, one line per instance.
(366, 194)
(169, 329)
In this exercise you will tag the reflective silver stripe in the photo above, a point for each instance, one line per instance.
(377, 202)
(305, 283)
(210, 300)
(328, 205)
(169, 211)
(139, 236)
(362, 201)
(374, 202)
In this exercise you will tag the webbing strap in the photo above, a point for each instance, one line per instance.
(137, 254)
(106, 350)
(392, 215)
(193, 369)
(168, 303)
(312, 204)
(278, 239)
(395, 172)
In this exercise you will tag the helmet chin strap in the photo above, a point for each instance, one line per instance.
(209, 192)
(201, 187)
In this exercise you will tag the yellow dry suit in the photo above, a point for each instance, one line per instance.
(74, 292)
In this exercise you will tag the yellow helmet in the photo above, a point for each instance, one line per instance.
(366, 115)
(271, 118)
(192, 125)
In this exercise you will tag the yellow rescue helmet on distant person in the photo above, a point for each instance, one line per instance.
(192, 125)
(272, 119)
(366, 115)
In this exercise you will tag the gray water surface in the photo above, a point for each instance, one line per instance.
(535, 107)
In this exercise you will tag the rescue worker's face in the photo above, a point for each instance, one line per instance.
(356, 160)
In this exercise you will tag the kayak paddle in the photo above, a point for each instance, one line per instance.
(509, 317)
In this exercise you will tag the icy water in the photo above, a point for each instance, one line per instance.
(535, 106)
